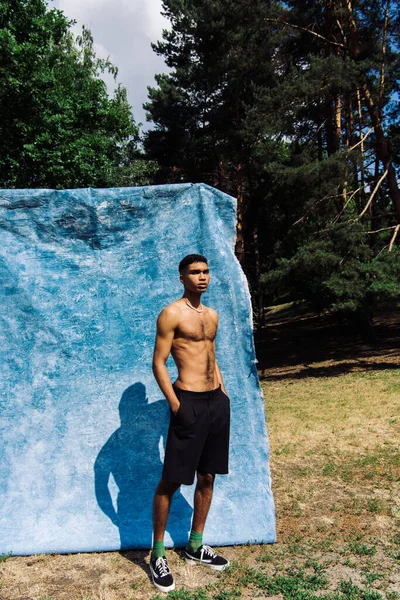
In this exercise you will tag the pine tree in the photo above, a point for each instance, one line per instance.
(287, 107)
(219, 55)
(339, 63)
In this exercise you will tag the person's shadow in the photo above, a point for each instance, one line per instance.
(132, 456)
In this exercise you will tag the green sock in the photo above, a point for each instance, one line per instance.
(158, 550)
(195, 541)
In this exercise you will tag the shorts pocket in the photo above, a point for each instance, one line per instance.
(226, 405)
(185, 415)
(184, 421)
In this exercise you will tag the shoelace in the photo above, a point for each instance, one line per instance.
(162, 566)
(209, 551)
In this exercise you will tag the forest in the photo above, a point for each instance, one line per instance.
(290, 107)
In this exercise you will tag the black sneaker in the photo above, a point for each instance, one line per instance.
(161, 575)
(206, 556)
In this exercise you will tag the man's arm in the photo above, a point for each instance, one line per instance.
(166, 325)
(219, 376)
(217, 369)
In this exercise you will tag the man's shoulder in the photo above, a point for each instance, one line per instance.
(172, 311)
(212, 312)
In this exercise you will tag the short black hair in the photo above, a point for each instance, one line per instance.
(191, 258)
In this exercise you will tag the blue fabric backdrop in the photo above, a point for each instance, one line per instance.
(84, 274)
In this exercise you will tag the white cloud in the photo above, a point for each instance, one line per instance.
(123, 30)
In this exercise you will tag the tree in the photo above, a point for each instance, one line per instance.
(286, 105)
(59, 128)
(339, 271)
(339, 71)
(344, 56)
(219, 55)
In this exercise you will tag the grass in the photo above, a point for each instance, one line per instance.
(3, 557)
(336, 481)
(362, 549)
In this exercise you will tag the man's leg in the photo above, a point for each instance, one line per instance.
(202, 500)
(160, 572)
(161, 507)
(195, 552)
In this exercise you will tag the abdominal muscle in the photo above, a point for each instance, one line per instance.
(195, 361)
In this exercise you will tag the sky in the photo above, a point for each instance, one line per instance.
(123, 30)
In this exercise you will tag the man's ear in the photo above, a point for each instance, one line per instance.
(181, 278)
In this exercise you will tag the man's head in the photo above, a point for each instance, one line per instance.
(194, 273)
(189, 259)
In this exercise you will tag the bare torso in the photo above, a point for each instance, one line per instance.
(187, 330)
(193, 347)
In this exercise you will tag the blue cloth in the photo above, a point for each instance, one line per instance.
(84, 274)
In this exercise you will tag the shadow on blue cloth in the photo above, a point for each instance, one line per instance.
(132, 456)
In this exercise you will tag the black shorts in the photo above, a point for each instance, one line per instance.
(198, 436)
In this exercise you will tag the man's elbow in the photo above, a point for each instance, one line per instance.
(156, 365)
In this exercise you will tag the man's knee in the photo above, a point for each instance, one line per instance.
(167, 488)
(205, 480)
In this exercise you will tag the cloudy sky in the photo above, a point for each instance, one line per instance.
(123, 30)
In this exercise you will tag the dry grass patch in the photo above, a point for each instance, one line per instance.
(335, 449)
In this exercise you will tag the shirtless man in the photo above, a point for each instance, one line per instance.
(198, 435)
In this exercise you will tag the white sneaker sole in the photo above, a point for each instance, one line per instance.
(192, 561)
(161, 588)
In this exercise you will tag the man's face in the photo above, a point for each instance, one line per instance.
(196, 277)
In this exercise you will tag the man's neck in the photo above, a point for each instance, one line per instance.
(194, 299)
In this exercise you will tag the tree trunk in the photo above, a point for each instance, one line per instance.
(382, 77)
(382, 148)
(239, 247)
(362, 322)
(360, 128)
(338, 121)
(351, 142)
(259, 295)
(372, 208)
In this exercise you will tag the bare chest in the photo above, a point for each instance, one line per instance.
(197, 327)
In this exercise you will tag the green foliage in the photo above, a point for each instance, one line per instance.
(353, 592)
(337, 270)
(233, 594)
(219, 55)
(182, 594)
(59, 128)
(263, 101)
(362, 549)
(295, 584)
